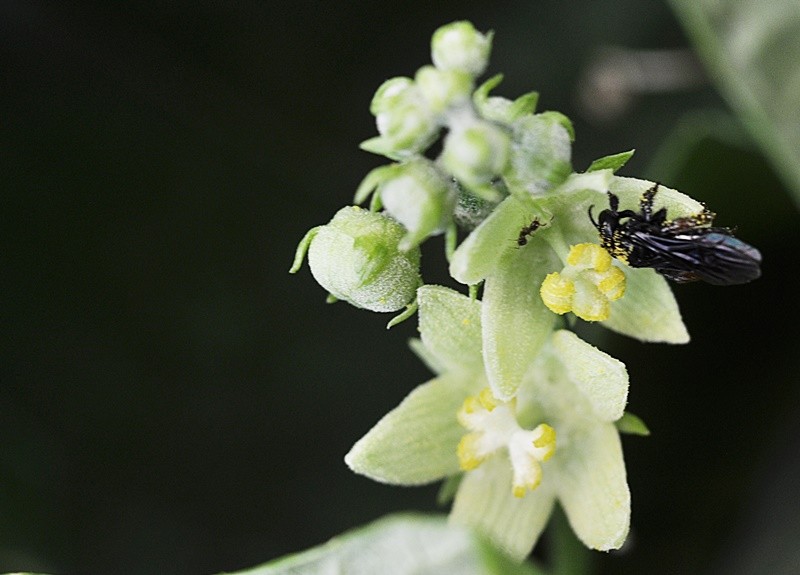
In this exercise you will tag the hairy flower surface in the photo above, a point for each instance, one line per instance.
(555, 441)
(521, 410)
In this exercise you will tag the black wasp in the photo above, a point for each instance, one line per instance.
(682, 250)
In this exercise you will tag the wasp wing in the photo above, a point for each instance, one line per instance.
(715, 257)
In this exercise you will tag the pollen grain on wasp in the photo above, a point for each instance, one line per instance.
(683, 250)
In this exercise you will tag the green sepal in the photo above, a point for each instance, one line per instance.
(632, 425)
(481, 93)
(561, 119)
(447, 491)
(302, 248)
(525, 104)
(382, 147)
(613, 162)
(410, 310)
(425, 356)
(372, 180)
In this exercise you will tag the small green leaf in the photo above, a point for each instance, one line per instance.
(613, 162)
(416, 442)
(631, 424)
(400, 544)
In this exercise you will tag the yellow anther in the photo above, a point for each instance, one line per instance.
(586, 285)
(613, 283)
(546, 441)
(492, 427)
(590, 304)
(589, 256)
(557, 292)
(487, 399)
(467, 452)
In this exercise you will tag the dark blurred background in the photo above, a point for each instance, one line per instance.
(173, 401)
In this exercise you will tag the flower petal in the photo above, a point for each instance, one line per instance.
(648, 310)
(450, 326)
(630, 190)
(516, 322)
(416, 442)
(592, 487)
(600, 377)
(478, 255)
(486, 503)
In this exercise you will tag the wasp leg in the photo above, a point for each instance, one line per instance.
(646, 203)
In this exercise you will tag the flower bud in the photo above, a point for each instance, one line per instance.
(405, 120)
(458, 46)
(477, 154)
(420, 198)
(443, 88)
(356, 258)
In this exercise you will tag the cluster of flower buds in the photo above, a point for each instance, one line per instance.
(521, 409)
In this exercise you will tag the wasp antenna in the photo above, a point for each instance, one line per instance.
(591, 216)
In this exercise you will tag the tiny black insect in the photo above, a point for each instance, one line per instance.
(682, 250)
(528, 231)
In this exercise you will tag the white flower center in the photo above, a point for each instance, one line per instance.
(493, 426)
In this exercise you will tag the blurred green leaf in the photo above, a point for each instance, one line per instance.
(632, 424)
(751, 50)
(399, 545)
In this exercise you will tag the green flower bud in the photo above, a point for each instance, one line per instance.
(540, 154)
(476, 155)
(405, 120)
(356, 258)
(443, 88)
(458, 46)
(420, 198)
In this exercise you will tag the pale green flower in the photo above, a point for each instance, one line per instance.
(570, 397)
